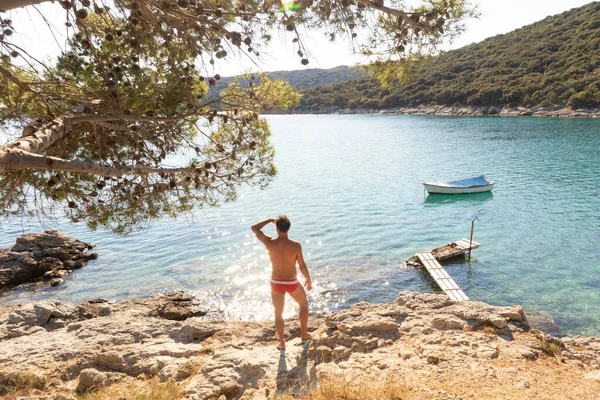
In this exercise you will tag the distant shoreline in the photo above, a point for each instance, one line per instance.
(555, 111)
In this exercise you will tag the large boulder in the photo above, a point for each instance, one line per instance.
(47, 256)
(91, 378)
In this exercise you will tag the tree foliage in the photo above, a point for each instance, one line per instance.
(553, 62)
(135, 86)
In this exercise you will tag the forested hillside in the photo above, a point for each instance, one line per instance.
(555, 61)
(308, 78)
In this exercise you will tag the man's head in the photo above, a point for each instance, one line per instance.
(283, 223)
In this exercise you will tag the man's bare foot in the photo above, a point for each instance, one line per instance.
(281, 346)
(306, 336)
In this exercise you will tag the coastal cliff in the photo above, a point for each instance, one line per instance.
(421, 346)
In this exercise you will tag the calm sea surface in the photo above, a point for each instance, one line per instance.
(352, 188)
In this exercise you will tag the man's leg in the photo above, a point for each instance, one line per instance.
(278, 302)
(300, 296)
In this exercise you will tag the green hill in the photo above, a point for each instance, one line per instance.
(555, 61)
(308, 78)
(315, 77)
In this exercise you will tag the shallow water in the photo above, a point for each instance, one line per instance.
(352, 188)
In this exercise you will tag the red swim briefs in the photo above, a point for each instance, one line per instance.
(284, 285)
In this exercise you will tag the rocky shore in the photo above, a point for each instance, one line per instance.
(428, 346)
(553, 111)
(37, 257)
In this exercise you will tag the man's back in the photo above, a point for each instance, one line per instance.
(283, 253)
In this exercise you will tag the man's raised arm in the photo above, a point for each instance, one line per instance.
(256, 228)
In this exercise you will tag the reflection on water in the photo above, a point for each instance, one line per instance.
(253, 303)
(458, 198)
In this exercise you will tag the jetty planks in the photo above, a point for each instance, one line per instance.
(454, 249)
(465, 244)
(430, 260)
(441, 277)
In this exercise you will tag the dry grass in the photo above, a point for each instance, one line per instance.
(489, 330)
(18, 383)
(551, 346)
(25, 381)
(341, 387)
(137, 390)
(486, 330)
(534, 380)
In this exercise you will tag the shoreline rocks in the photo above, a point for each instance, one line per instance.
(47, 256)
(552, 111)
(71, 349)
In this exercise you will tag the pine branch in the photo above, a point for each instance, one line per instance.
(16, 160)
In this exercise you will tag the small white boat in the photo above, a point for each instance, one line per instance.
(477, 184)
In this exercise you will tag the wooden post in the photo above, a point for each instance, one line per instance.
(472, 232)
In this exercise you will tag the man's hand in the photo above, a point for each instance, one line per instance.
(308, 285)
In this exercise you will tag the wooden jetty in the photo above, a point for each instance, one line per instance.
(441, 277)
(430, 261)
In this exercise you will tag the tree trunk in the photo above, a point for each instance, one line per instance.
(6, 5)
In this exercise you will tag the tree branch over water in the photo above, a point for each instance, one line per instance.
(135, 87)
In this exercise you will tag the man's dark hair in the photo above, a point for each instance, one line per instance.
(283, 223)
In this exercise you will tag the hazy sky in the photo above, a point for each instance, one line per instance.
(497, 17)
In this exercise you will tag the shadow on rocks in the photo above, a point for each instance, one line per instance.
(301, 377)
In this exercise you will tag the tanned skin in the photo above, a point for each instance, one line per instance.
(284, 253)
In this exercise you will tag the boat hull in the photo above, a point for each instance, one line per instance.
(433, 188)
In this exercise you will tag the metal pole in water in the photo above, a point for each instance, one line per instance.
(472, 232)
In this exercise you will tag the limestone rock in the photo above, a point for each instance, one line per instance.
(594, 375)
(175, 306)
(324, 353)
(43, 256)
(110, 360)
(51, 315)
(340, 352)
(178, 371)
(91, 378)
(60, 347)
(415, 301)
(448, 321)
(196, 330)
(179, 312)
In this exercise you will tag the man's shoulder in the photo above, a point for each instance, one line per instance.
(265, 239)
(269, 238)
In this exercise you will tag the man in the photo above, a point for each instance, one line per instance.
(284, 253)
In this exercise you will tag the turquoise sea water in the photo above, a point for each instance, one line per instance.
(352, 188)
